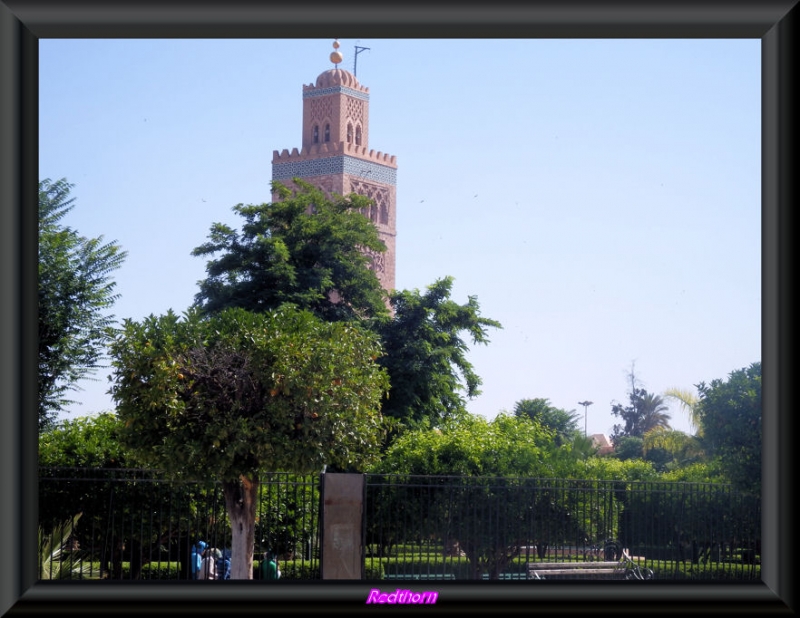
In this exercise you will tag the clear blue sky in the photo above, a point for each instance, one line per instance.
(601, 198)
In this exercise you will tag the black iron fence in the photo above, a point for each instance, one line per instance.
(139, 524)
(490, 528)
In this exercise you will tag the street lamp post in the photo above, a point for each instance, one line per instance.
(585, 405)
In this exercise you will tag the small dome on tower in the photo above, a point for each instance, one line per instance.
(337, 77)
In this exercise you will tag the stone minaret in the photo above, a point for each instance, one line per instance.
(335, 155)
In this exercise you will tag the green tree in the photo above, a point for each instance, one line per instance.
(85, 442)
(689, 404)
(486, 513)
(311, 251)
(612, 469)
(305, 249)
(730, 415)
(472, 445)
(563, 422)
(426, 354)
(698, 472)
(628, 447)
(75, 290)
(683, 449)
(645, 412)
(224, 396)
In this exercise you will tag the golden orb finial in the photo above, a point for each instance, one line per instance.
(336, 55)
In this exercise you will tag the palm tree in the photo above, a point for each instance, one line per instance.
(689, 404)
(653, 413)
(55, 560)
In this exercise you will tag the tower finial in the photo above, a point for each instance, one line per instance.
(336, 55)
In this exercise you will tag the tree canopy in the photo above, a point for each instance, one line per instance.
(228, 395)
(472, 445)
(563, 422)
(305, 249)
(85, 442)
(310, 251)
(75, 291)
(645, 412)
(426, 354)
(730, 415)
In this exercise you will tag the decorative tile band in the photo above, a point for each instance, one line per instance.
(321, 92)
(335, 165)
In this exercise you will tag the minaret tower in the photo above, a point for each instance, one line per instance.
(335, 155)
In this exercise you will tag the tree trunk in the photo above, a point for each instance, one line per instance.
(240, 501)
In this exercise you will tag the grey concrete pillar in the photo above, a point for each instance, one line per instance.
(342, 512)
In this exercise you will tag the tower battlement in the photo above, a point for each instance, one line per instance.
(327, 149)
(335, 80)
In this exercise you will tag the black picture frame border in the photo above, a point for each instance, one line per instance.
(24, 22)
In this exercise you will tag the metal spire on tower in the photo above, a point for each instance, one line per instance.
(355, 58)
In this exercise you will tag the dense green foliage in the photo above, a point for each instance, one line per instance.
(730, 415)
(86, 442)
(611, 469)
(426, 355)
(563, 422)
(472, 445)
(312, 252)
(227, 395)
(238, 392)
(700, 472)
(506, 488)
(75, 290)
(304, 249)
(645, 412)
(675, 448)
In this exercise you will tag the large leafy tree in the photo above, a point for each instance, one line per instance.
(227, 395)
(305, 249)
(309, 250)
(505, 492)
(563, 422)
(85, 442)
(75, 292)
(484, 513)
(426, 354)
(472, 445)
(683, 449)
(730, 415)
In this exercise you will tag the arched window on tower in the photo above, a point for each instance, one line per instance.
(315, 138)
(327, 132)
(349, 133)
(358, 135)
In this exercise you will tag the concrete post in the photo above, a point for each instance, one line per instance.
(341, 555)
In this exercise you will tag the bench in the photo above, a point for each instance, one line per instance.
(625, 568)
(420, 576)
(573, 570)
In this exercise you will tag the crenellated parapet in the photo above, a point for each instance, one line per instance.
(327, 149)
(336, 81)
